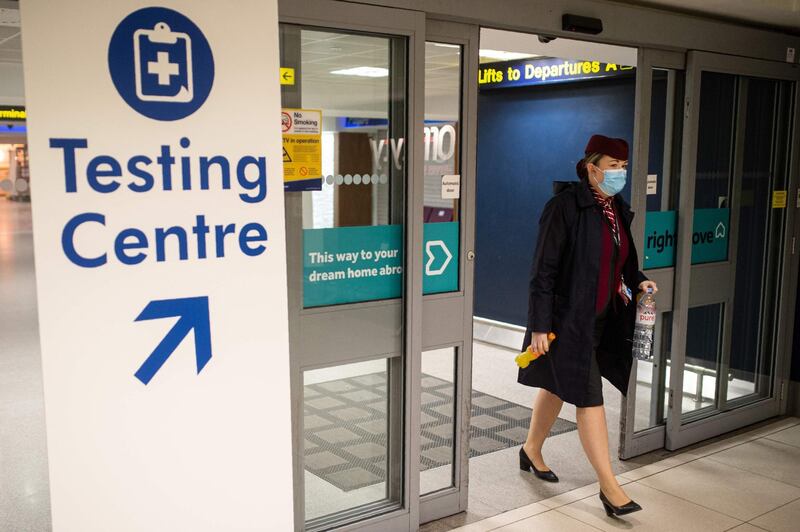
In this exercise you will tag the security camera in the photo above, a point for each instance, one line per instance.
(544, 39)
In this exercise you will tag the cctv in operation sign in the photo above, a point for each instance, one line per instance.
(160, 264)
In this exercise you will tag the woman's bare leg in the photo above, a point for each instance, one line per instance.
(593, 432)
(546, 407)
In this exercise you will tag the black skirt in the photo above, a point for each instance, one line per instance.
(594, 390)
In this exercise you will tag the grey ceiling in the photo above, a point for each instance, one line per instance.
(783, 14)
(779, 14)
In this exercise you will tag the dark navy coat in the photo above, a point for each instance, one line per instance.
(563, 293)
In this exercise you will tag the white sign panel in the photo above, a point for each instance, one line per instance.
(160, 263)
(451, 186)
(301, 122)
(652, 184)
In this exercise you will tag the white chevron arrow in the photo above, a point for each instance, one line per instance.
(431, 257)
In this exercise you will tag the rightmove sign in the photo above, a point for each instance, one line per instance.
(709, 237)
(160, 264)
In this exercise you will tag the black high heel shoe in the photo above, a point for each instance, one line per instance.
(626, 508)
(525, 464)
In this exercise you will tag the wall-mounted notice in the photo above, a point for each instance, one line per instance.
(302, 149)
(356, 264)
(160, 263)
(779, 199)
(451, 186)
(652, 184)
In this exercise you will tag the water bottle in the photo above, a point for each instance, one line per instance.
(645, 325)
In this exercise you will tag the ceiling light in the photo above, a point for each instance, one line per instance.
(364, 71)
(503, 55)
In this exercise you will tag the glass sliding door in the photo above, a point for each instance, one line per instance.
(734, 246)
(451, 59)
(656, 182)
(348, 96)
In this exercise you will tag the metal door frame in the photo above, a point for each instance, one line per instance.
(680, 434)
(315, 324)
(635, 443)
(448, 316)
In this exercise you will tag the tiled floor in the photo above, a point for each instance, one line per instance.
(749, 481)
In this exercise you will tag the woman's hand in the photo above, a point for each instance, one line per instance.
(539, 343)
(648, 284)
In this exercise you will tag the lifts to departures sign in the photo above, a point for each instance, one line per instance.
(525, 72)
(160, 264)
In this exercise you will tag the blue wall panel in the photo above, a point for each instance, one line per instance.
(528, 138)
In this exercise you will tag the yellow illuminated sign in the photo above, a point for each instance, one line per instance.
(540, 71)
(779, 199)
(12, 113)
(287, 76)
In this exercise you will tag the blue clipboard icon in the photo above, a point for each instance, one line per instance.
(163, 65)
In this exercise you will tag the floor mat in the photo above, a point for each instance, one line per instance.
(345, 425)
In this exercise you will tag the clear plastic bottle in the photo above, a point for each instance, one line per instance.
(645, 325)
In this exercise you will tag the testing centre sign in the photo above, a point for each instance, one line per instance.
(545, 71)
(160, 264)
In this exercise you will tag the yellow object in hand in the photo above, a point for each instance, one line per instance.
(528, 356)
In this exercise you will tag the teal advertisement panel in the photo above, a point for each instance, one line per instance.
(440, 258)
(356, 264)
(709, 237)
(659, 242)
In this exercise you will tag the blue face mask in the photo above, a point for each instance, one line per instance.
(613, 181)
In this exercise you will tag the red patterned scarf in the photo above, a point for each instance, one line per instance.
(608, 211)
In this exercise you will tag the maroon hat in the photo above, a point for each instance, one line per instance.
(616, 148)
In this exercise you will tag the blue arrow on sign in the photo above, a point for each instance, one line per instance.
(193, 314)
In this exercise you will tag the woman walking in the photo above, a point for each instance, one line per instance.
(584, 272)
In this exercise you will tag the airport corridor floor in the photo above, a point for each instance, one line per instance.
(24, 491)
(745, 481)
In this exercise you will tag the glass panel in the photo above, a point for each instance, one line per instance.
(741, 197)
(718, 93)
(346, 433)
(663, 182)
(666, 341)
(703, 349)
(714, 187)
(350, 214)
(765, 172)
(437, 435)
(650, 411)
(666, 130)
(442, 154)
(353, 223)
